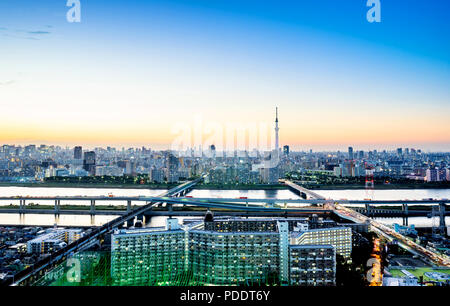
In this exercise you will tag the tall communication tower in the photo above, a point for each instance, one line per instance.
(276, 131)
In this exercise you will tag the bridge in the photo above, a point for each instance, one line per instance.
(162, 198)
(301, 190)
(44, 211)
(385, 231)
(368, 206)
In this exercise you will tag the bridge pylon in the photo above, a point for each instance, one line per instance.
(92, 206)
(405, 214)
(442, 225)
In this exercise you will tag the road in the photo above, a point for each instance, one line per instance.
(381, 229)
(391, 235)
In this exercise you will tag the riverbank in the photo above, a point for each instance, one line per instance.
(222, 187)
(241, 187)
(32, 207)
(96, 186)
(144, 186)
(376, 187)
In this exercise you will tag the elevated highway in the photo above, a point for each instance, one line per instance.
(301, 189)
(350, 214)
(95, 199)
(97, 204)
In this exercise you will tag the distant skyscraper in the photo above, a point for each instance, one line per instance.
(213, 151)
(89, 162)
(172, 167)
(399, 151)
(78, 153)
(276, 131)
(286, 150)
(361, 154)
(350, 153)
(432, 175)
(130, 167)
(156, 175)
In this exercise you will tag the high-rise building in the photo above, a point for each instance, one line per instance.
(234, 251)
(350, 152)
(89, 162)
(339, 237)
(212, 149)
(432, 175)
(312, 265)
(269, 175)
(129, 167)
(442, 175)
(156, 175)
(172, 166)
(361, 154)
(30, 149)
(78, 153)
(286, 150)
(234, 257)
(147, 256)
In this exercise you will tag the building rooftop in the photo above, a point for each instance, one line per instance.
(235, 233)
(297, 234)
(308, 246)
(145, 230)
(258, 219)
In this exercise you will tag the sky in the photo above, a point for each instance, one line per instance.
(136, 73)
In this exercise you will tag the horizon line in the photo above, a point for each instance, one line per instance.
(292, 148)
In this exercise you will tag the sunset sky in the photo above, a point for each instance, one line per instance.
(132, 70)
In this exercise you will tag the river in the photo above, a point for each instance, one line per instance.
(86, 220)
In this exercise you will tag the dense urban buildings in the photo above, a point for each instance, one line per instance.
(53, 239)
(39, 163)
(21, 247)
(228, 251)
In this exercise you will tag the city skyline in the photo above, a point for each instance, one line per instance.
(125, 75)
(342, 148)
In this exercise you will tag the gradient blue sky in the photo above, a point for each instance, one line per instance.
(131, 69)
